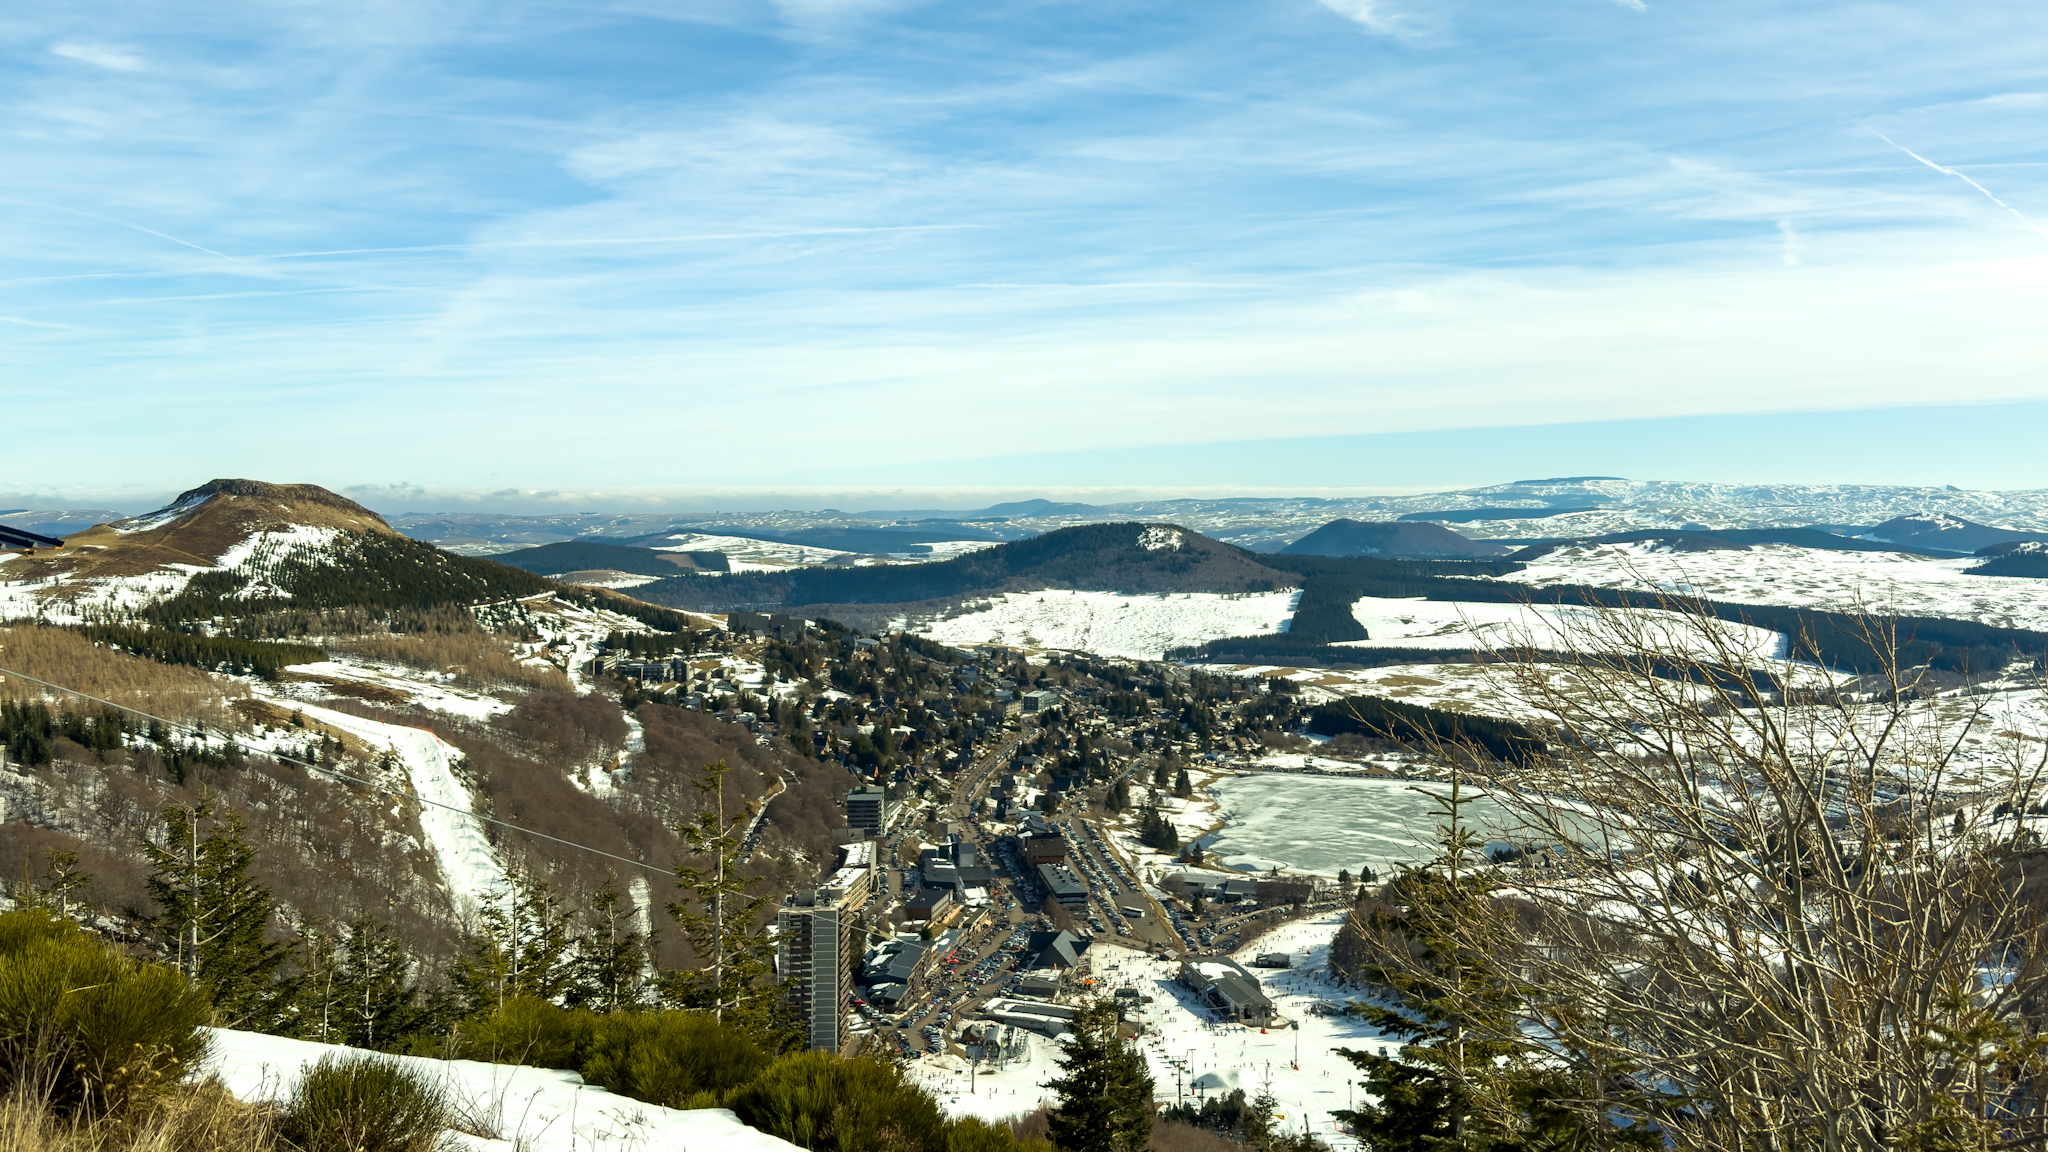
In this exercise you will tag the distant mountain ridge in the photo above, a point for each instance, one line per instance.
(1946, 532)
(1121, 557)
(1391, 538)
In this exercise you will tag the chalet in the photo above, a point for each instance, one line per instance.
(1227, 990)
(1054, 951)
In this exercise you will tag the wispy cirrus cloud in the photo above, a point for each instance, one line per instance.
(102, 55)
(1382, 18)
(431, 231)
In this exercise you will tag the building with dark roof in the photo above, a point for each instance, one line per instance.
(1227, 990)
(1053, 950)
(1059, 882)
(932, 905)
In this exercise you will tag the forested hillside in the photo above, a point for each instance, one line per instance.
(1099, 557)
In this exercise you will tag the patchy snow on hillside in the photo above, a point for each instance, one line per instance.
(524, 1109)
(749, 555)
(1113, 623)
(1804, 577)
(428, 690)
(1468, 626)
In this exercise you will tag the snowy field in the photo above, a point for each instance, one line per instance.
(1804, 577)
(1464, 626)
(1194, 1057)
(525, 1109)
(1114, 624)
(748, 555)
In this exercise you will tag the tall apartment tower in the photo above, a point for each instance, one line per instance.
(868, 809)
(813, 930)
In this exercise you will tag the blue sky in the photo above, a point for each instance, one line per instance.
(472, 244)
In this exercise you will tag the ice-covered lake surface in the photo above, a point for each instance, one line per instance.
(1321, 824)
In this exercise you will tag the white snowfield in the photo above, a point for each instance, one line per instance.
(525, 1109)
(468, 866)
(1116, 624)
(1469, 626)
(1805, 577)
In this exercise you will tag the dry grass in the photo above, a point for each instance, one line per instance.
(478, 660)
(195, 1118)
(61, 656)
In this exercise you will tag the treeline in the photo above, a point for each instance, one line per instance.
(358, 570)
(2028, 565)
(213, 653)
(1408, 723)
(1101, 556)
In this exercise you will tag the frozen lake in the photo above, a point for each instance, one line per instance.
(1323, 823)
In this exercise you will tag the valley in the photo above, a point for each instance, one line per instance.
(1085, 750)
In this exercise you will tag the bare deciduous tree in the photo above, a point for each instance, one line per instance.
(1766, 906)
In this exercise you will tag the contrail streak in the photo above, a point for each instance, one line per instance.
(1965, 179)
(604, 240)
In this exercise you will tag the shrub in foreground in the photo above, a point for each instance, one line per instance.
(85, 1028)
(365, 1104)
(675, 1059)
(820, 1101)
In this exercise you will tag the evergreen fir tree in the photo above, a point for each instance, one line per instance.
(611, 959)
(1156, 831)
(61, 877)
(1182, 786)
(215, 918)
(1104, 1090)
(358, 987)
(719, 916)
(1162, 773)
(518, 946)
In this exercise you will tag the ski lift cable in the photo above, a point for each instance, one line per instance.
(310, 766)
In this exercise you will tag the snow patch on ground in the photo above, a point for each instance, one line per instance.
(528, 1109)
(1160, 538)
(158, 518)
(1116, 624)
(424, 689)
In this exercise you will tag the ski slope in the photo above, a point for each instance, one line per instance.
(525, 1109)
(1114, 623)
(468, 866)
